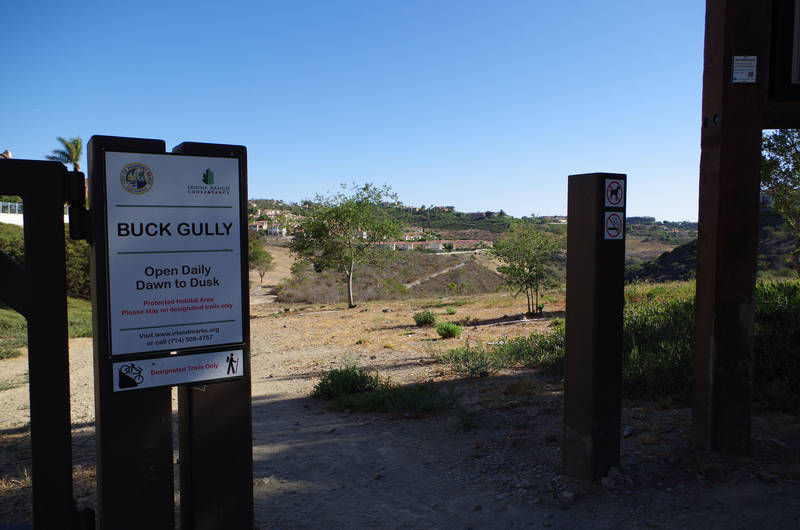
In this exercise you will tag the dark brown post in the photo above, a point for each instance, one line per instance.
(134, 429)
(737, 33)
(39, 293)
(216, 441)
(595, 300)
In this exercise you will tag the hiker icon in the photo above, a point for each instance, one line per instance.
(130, 376)
(233, 364)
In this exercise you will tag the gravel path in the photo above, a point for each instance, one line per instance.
(493, 461)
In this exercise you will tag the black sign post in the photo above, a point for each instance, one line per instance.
(37, 291)
(216, 440)
(595, 300)
(170, 301)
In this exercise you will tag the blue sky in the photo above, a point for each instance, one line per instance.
(484, 105)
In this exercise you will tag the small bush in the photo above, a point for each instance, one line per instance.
(14, 328)
(468, 419)
(413, 399)
(426, 318)
(658, 348)
(450, 310)
(776, 366)
(523, 387)
(471, 361)
(347, 380)
(448, 330)
(544, 351)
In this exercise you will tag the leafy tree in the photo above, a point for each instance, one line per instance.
(78, 278)
(780, 178)
(70, 154)
(259, 259)
(528, 255)
(344, 230)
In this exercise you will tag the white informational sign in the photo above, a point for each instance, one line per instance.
(613, 227)
(177, 370)
(615, 193)
(744, 68)
(175, 277)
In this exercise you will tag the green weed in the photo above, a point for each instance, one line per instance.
(448, 330)
(347, 380)
(14, 328)
(412, 399)
(470, 361)
(425, 318)
(776, 366)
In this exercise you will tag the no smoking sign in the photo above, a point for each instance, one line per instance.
(613, 227)
(615, 193)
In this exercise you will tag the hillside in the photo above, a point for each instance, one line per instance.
(442, 218)
(409, 275)
(775, 244)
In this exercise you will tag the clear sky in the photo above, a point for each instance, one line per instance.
(483, 105)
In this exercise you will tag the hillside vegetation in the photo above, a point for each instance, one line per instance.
(411, 275)
(775, 244)
(440, 219)
(78, 282)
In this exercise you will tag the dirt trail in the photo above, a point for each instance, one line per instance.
(492, 461)
(263, 292)
(434, 275)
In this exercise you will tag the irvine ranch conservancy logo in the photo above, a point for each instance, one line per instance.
(208, 187)
(136, 178)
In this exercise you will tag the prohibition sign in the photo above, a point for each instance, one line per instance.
(615, 192)
(613, 226)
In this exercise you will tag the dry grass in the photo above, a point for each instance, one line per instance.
(635, 247)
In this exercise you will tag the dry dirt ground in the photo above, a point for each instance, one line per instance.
(492, 461)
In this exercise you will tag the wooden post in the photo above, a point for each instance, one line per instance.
(595, 300)
(215, 420)
(134, 429)
(736, 32)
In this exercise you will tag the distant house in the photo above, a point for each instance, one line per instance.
(260, 226)
(413, 233)
(275, 230)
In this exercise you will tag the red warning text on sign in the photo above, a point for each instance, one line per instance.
(613, 226)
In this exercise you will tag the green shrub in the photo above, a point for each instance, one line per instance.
(351, 387)
(448, 330)
(471, 361)
(14, 328)
(450, 311)
(425, 318)
(413, 399)
(776, 366)
(347, 380)
(658, 349)
(542, 350)
(13, 333)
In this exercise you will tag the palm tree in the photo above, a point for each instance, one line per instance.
(71, 154)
